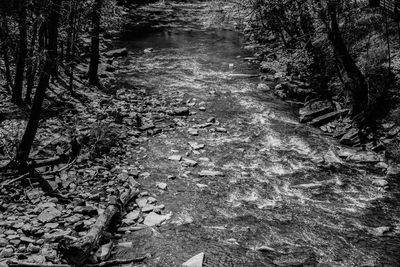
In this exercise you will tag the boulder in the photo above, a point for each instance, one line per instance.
(117, 53)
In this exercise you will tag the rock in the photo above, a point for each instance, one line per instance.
(86, 210)
(196, 146)
(211, 173)
(196, 261)
(263, 87)
(32, 248)
(243, 75)
(331, 157)
(49, 214)
(193, 132)
(307, 115)
(221, 130)
(380, 182)
(162, 186)
(131, 217)
(189, 162)
(351, 138)
(6, 253)
(147, 126)
(394, 131)
(202, 108)
(148, 208)
(153, 219)
(379, 231)
(175, 157)
(125, 245)
(387, 126)
(3, 242)
(329, 117)
(148, 50)
(211, 120)
(201, 185)
(25, 239)
(365, 157)
(182, 111)
(117, 53)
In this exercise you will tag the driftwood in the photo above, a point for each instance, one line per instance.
(79, 251)
(100, 264)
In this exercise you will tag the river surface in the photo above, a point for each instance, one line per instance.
(280, 203)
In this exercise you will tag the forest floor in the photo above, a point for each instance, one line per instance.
(224, 168)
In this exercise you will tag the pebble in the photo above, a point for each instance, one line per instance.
(193, 132)
(202, 108)
(196, 261)
(25, 239)
(33, 248)
(6, 253)
(3, 242)
(175, 158)
(49, 214)
(380, 182)
(196, 146)
(211, 173)
(221, 130)
(190, 162)
(162, 186)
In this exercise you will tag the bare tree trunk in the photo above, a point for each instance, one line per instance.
(4, 47)
(356, 84)
(25, 145)
(31, 70)
(22, 53)
(95, 53)
(53, 31)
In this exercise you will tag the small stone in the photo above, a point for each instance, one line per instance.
(171, 177)
(131, 217)
(193, 132)
(3, 242)
(380, 182)
(196, 261)
(32, 248)
(211, 120)
(25, 239)
(153, 219)
(189, 162)
(51, 225)
(148, 208)
(148, 50)
(86, 210)
(175, 157)
(221, 130)
(6, 253)
(211, 173)
(202, 108)
(12, 237)
(49, 214)
(162, 186)
(196, 146)
(201, 185)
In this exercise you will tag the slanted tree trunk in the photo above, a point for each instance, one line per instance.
(22, 53)
(25, 145)
(95, 53)
(356, 80)
(4, 50)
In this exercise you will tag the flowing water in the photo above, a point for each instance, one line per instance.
(279, 203)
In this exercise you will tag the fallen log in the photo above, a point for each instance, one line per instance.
(78, 252)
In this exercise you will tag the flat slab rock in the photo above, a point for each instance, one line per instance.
(196, 261)
(49, 214)
(153, 219)
(211, 173)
